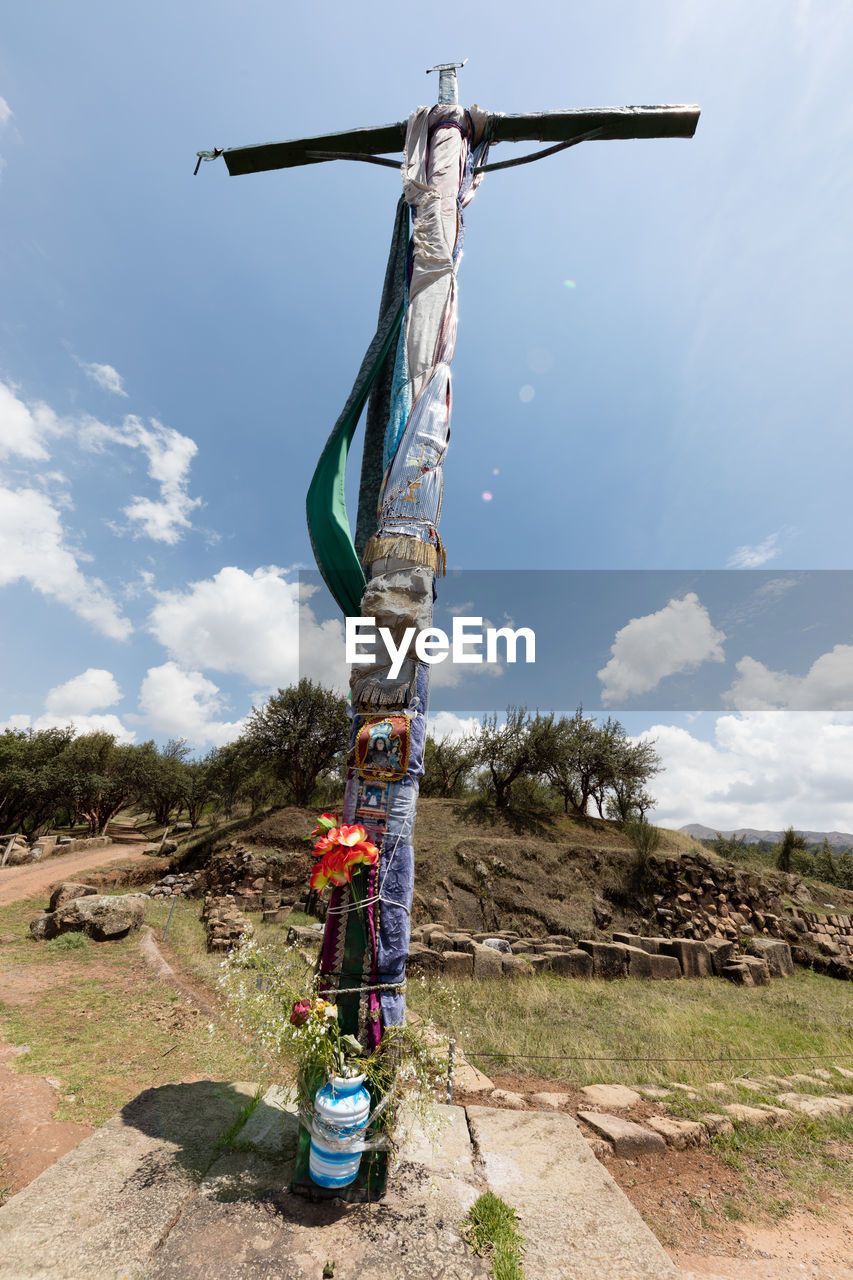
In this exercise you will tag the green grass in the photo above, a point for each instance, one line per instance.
(491, 1229)
(96, 1017)
(805, 1167)
(187, 939)
(641, 1032)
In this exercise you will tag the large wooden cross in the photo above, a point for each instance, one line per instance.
(387, 572)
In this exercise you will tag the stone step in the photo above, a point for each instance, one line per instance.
(575, 1220)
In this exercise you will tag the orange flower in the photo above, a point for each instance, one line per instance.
(338, 861)
(351, 836)
(326, 822)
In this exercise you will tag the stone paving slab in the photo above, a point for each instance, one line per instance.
(102, 1209)
(626, 1136)
(577, 1223)
(156, 1194)
(152, 1196)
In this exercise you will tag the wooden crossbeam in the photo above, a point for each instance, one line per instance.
(544, 126)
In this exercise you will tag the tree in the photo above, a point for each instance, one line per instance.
(165, 782)
(579, 766)
(447, 761)
(101, 777)
(825, 867)
(790, 844)
(520, 747)
(229, 768)
(844, 870)
(300, 733)
(31, 777)
(198, 789)
(631, 764)
(732, 847)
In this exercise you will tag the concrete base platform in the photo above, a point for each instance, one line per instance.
(189, 1182)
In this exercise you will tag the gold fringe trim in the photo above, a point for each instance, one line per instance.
(406, 548)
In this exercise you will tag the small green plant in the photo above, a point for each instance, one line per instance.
(491, 1230)
(69, 942)
(732, 1210)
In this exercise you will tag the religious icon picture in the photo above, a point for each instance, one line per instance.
(373, 801)
(382, 746)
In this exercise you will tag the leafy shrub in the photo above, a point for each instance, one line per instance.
(69, 942)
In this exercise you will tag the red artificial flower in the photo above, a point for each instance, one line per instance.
(300, 1013)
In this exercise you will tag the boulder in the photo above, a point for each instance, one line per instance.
(679, 1134)
(515, 967)
(609, 959)
(67, 892)
(42, 927)
(101, 917)
(627, 1138)
(739, 974)
(459, 964)
(722, 952)
(487, 962)
(304, 936)
(776, 954)
(572, 964)
(759, 970)
(498, 944)
(615, 1096)
(423, 960)
(639, 962)
(664, 968)
(716, 1124)
(693, 956)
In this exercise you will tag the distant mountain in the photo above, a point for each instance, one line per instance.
(837, 839)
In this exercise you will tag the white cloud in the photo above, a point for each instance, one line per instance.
(767, 769)
(92, 690)
(74, 702)
(170, 455)
(23, 427)
(80, 723)
(251, 624)
(5, 112)
(753, 557)
(33, 549)
(826, 686)
(446, 724)
(678, 638)
(184, 704)
(106, 377)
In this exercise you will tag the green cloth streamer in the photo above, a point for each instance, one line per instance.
(328, 522)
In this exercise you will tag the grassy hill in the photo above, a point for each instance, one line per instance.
(478, 868)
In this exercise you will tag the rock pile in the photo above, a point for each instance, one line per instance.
(176, 886)
(505, 953)
(15, 850)
(831, 940)
(226, 925)
(701, 898)
(260, 881)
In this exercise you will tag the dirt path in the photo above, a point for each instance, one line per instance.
(31, 1139)
(35, 878)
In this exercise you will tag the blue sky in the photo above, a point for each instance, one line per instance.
(174, 350)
